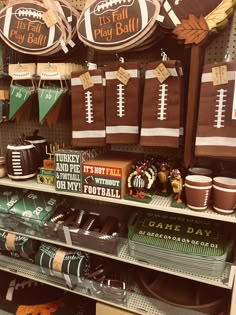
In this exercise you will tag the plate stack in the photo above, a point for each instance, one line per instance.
(178, 242)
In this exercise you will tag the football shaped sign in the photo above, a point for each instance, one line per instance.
(111, 25)
(22, 27)
(174, 11)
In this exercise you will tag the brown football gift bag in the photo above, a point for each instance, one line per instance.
(122, 104)
(216, 129)
(162, 102)
(88, 109)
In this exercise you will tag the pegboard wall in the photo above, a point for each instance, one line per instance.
(10, 131)
(78, 4)
(223, 43)
(215, 52)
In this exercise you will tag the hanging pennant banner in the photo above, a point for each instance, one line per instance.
(47, 98)
(19, 95)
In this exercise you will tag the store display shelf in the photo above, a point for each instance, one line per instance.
(225, 280)
(135, 301)
(158, 203)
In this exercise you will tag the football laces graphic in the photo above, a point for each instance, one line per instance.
(111, 5)
(26, 14)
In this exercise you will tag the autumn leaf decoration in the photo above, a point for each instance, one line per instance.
(193, 30)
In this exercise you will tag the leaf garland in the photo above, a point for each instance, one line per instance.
(192, 30)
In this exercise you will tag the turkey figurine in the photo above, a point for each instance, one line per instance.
(177, 184)
(139, 182)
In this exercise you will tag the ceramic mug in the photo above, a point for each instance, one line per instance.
(198, 191)
(224, 194)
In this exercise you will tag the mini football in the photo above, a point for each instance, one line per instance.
(113, 23)
(22, 27)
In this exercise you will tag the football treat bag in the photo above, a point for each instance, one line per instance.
(88, 108)
(163, 98)
(122, 103)
(216, 127)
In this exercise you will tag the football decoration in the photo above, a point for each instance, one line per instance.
(21, 160)
(111, 25)
(216, 126)
(162, 104)
(174, 11)
(122, 102)
(88, 108)
(40, 144)
(194, 23)
(31, 27)
(23, 29)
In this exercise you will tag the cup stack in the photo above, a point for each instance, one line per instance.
(224, 194)
(198, 191)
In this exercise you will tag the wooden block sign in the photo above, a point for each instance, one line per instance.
(102, 181)
(68, 164)
(107, 176)
(22, 27)
(113, 23)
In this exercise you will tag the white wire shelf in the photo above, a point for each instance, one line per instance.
(225, 280)
(158, 202)
(135, 302)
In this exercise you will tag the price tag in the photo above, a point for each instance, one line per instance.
(161, 72)
(10, 241)
(67, 235)
(123, 76)
(86, 80)
(58, 260)
(4, 94)
(220, 75)
(50, 18)
(28, 68)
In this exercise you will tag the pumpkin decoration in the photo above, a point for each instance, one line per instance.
(21, 160)
(40, 144)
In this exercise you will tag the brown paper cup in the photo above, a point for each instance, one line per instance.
(198, 191)
(224, 194)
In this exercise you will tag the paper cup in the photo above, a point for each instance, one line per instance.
(224, 194)
(198, 191)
